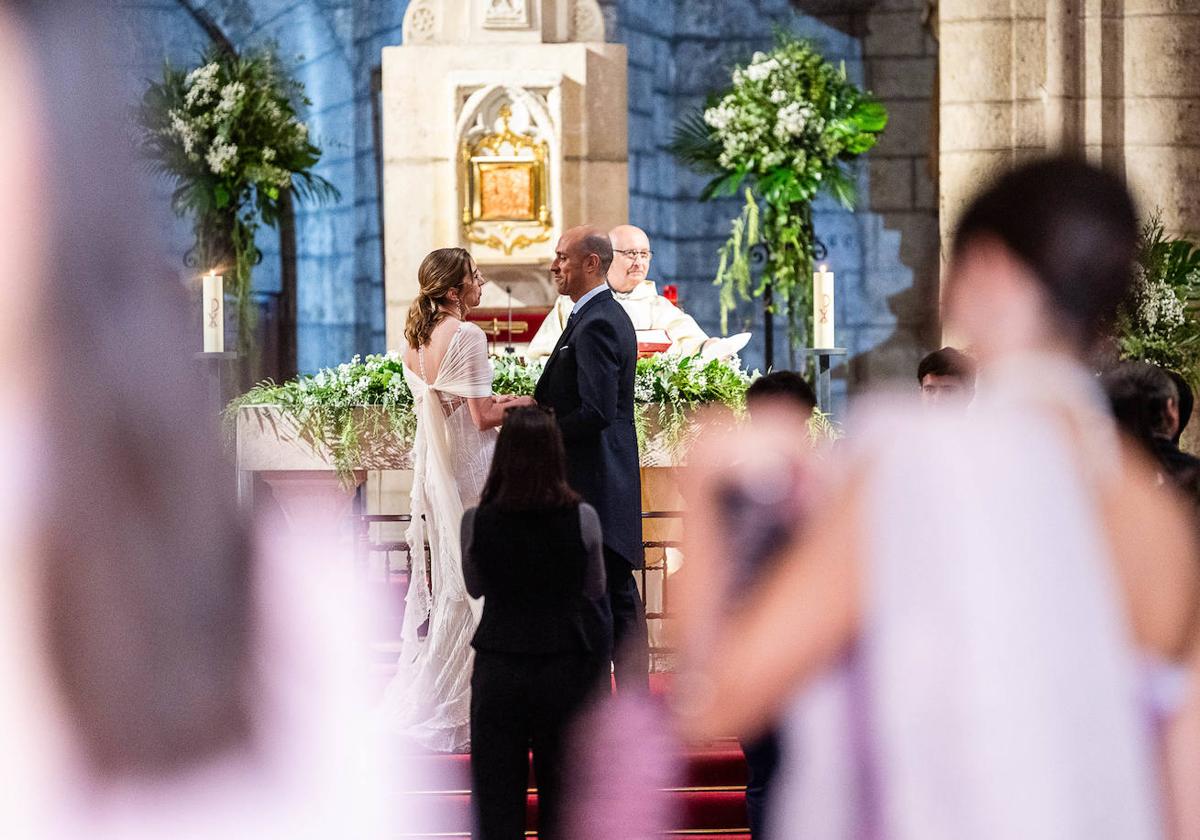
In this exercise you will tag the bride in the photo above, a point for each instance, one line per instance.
(446, 366)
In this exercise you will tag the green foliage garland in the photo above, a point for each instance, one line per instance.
(326, 406)
(228, 134)
(786, 128)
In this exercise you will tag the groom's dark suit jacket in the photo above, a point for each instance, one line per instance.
(588, 381)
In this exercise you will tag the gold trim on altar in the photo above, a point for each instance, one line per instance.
(506, 186)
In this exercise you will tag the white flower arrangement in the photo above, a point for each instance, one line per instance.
(787, 126)
(324, 405)
(228, 134)
(1158, 322)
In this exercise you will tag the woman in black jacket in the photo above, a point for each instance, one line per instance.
(533, 551)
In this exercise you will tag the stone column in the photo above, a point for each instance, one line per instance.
(992, 74)
(1162, 108)
(1117, 80)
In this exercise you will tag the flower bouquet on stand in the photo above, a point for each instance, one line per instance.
(228, 135)
(784, 130)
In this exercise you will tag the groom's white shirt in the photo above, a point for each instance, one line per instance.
(603, 287)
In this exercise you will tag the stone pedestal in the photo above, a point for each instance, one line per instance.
(504, 123)
(300, 472)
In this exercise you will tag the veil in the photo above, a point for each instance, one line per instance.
(437, 506)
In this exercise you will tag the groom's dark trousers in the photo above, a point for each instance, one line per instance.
(588, 381)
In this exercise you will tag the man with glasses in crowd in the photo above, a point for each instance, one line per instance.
(637, 295)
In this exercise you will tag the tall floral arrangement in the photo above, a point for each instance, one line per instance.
(229, 135)
(784, 130)
(1159, 322)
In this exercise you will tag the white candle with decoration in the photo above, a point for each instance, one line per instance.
(214, 313)
(822, 337)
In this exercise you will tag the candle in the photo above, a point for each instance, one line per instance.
(822, 337)
(214, 313)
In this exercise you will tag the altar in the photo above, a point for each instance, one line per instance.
(317, 491)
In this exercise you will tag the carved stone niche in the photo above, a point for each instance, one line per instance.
(503, 21)
(507, 14)
(508, 173)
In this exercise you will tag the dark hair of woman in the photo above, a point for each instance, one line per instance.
(144, 565)
(529, 467)
(1075, 228)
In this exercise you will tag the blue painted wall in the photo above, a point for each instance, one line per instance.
(333, 47)
(885, 255)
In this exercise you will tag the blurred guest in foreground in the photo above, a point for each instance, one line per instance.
(534, 552)
(787, 395)
(1029, 668)
(163, 675)
(1145, 402)
(946, 376)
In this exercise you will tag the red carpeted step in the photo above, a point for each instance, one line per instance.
(713, 809)
(450, 813)
(720, 764)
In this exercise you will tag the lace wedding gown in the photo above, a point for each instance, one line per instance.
(429, 698)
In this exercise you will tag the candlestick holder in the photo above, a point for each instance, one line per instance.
(824, 357)
(213, 366)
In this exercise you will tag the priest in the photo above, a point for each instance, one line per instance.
(637, 295)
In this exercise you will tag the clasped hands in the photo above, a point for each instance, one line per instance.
(508, 401)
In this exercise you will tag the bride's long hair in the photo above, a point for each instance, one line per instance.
(441, 271)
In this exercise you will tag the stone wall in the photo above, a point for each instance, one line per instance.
(333, 47)
(885, 255)
(1117, 80)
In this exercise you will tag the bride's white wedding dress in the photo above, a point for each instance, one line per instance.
(429, 698)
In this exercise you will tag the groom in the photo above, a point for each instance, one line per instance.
(588, 381)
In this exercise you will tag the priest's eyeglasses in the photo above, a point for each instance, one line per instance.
(635, 254)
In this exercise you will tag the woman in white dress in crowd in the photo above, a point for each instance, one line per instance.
(447, 368)
(165, 669)
(990, 630)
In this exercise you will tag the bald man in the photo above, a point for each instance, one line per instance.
(648, 310)
(588, 381)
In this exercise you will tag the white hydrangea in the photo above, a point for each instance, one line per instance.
(201, 85)
(231, 98)
(222, 156)
(792, 120)
(759, 71)
(778, 96)
(719, 117)
(186, 132)
(268, 154)
(773, 158)
(1159, 307)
